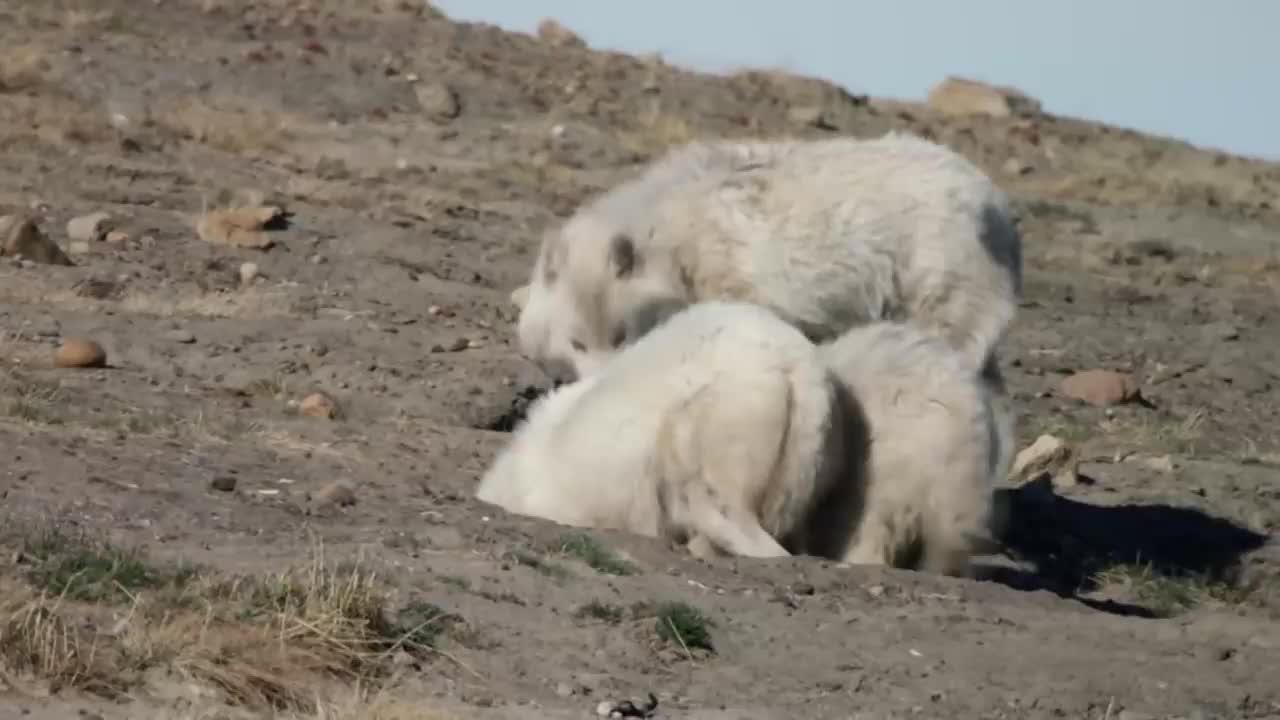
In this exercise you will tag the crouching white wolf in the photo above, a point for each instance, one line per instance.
(727, 429)
(829, 234)
(721, 428)
(938, 444)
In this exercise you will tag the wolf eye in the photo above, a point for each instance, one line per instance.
(578, 346)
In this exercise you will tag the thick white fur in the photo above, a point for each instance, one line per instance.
(550, 325)
(721, 428)
(938, 443)
(829, 234)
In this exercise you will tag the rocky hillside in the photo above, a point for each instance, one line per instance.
(256, 349)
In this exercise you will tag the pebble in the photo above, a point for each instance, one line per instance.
(89, 228)
(338, 492)
(77, 352)
(564, 690)
(605, 708)
(248, 273)
(117, 237)
(181, 336)
(223, 483)
(318, 405)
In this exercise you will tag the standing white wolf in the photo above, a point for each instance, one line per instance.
(829, 234)
(720, 428)
(938, 444)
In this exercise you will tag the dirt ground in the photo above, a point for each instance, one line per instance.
(419, 160)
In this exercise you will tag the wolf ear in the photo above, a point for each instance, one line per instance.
(520, 296)
(622, 255)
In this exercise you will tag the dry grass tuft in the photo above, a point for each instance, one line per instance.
(654, 131)
(23, 67)
(50, 120)
(1171, 594)
(36, 640)
(278, 642)
(229, 128)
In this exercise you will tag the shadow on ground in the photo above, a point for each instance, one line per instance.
(1070, 542)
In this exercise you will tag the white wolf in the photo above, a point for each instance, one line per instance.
(829, 234)
(938, 444)
(725, 428)
(720, 428)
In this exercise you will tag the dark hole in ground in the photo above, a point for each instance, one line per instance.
(507, 420)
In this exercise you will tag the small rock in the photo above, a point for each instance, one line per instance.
(20, 235)
(1048, 455)
(439, 101)
(78, 247)
(90, 228)
(248, 273)
(117, 237)
(605, 708)
(318, 405)
(1159, 463)
(459, 345)
(553, 33)
(564, 690)
(1100, 387)
(339, 493)
(78, 352)
(223, 483)
(1017, 166)
(181, 336)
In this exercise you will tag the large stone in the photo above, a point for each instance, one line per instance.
(958, 96)
(1100, 387)
(21, 236)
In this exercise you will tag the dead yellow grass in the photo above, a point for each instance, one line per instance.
(23, 67)
(655, 130)
(228, 125)
(282, 642)
(50, 120)
(36, 640)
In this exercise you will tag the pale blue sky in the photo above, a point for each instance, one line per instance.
(1206, 72)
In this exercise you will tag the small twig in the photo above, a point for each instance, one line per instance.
(676, 632)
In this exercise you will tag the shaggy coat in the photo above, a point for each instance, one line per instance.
(720, 428)
(828, 234)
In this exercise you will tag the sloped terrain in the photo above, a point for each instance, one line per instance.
(153, 508)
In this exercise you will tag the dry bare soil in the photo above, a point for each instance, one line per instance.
(182, 541)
